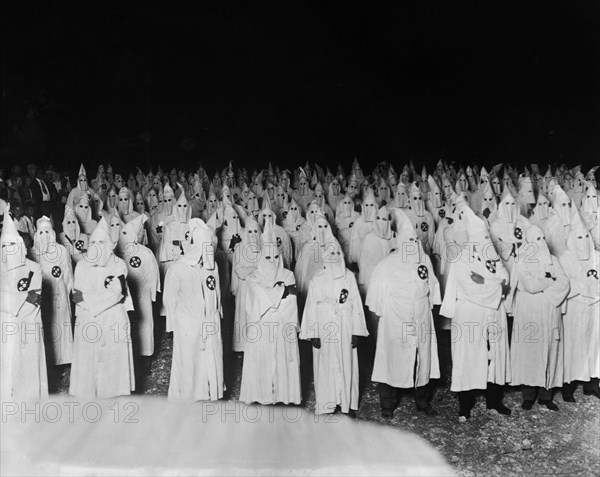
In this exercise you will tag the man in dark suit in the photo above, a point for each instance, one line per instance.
(40, 193)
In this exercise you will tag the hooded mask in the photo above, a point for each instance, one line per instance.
(251, 240)
(201, 245)
(212, 203)
(353, 187)
(408, 245)
(536, 246)
(383, 192)
(125, 206)
(140, 206)
(168, 200)
(416, 200)
(303, 186)
(383, 223)
(293, 212)
(447, 188)
(114, 227)
(508, 210)
(231, 221)
(312, 212)
(182, 210)
(266, 215)
(44, 239)
(479, 237)
(333, 261)
(281, 198)
(526, 194)
(119, 182)
(401, 199)
(435, 194)
(580, 243)
(270, 264)
(130, 231)
(319, 195)
(369, 206)
(322, 231)
(542, 207)
(488, 200)
(496, 185)
(589, 202)
(13, 247)
(112, 200)
(101, 246)
(561, 204)
(335, 188)
(83, 210)
(70, 225)
(462, 184)
(345, 207)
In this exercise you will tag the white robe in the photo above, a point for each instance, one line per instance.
(536, 351)
(102, 364)
(245, 261)
(334, 313)
(582, 318)
(23, 360)
(402, 294)
(57, 285)
(271, 371)
(344, 227)
(478, 321)
(298, 231)
(373, 250)
(360, 229)
(76, 246)
(143, 280)
(193, 303)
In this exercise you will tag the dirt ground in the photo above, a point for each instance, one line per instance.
(536, 442)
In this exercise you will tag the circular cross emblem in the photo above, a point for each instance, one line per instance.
(442, 213)
(56, 272)
(278, 241)
(490, 265)
(135, 262)
(343, 295)
(518, 233)
(211, 282)
(108, 280)
(23, 284)
(423, 272)
(424, 226)
(79, 245)
(593, 273)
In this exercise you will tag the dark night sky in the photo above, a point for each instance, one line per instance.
(303, 80)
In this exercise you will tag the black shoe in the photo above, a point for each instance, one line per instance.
(501, 408)
(430, 411)
(549, 404)
(568, 397)
(593, 392)
(352, 413)
(387, 413)
(527, 405)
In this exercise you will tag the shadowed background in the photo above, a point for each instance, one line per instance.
(301, 80)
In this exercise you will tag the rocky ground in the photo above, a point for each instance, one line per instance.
(536, 442)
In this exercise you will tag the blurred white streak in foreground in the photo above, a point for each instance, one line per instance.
(151, 436)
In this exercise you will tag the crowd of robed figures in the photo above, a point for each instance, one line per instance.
(311, 255)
